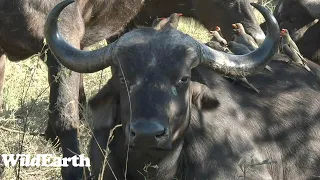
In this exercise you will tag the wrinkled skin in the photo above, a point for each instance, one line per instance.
(83, 23)
(210, 13)
(303, 28)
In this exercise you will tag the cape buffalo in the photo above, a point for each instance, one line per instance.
(300, 17)
(181, 120)
(84, 23)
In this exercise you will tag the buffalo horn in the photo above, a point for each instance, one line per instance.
(72, 58)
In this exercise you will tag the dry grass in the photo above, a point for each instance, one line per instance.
(26, 94)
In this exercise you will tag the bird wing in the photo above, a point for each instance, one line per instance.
(300, 55)
(227, 50)
(246, 40)
(290, 53)
(239, 49)
(215, 45)
(294, 56)
(220, 33)
(294, 45)
(281, 45)
(251, 41)
(155, 22)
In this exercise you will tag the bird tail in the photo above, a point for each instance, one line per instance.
(244, 80)
(307, 67)
(227, 50)
(269, 68)
(300, 55)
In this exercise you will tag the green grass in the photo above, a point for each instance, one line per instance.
(26, 93)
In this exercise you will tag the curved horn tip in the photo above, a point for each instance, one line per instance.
(68, 1)
(64, 3)
(251, 63)
(260, 7)
(263, 11)
(69, 56)
(269, 18)
(52, 16)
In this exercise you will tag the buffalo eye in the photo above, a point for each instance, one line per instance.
(184, 79)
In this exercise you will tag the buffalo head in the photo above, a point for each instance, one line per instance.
(151, 84)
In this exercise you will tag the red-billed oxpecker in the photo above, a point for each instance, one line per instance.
(289, 47)
(218, 29)
(240, 36)
(217, 42)
(158, 23)
(173, 20)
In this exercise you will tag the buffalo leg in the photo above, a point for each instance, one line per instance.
(64, 113)
(2, 70)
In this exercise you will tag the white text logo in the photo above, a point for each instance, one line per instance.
(47, 160)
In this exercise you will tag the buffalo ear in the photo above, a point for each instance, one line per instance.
(104, 105)
(202, 97)
(313, 7)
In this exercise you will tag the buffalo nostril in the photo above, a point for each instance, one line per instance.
(148, 134)
(147, 131)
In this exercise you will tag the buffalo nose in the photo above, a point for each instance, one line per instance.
(148, 133)
(153, 130)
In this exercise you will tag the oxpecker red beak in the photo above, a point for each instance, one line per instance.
(283, 32)
(234, 26)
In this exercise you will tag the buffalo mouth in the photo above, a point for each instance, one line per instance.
(149, 149)
(164, 147)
